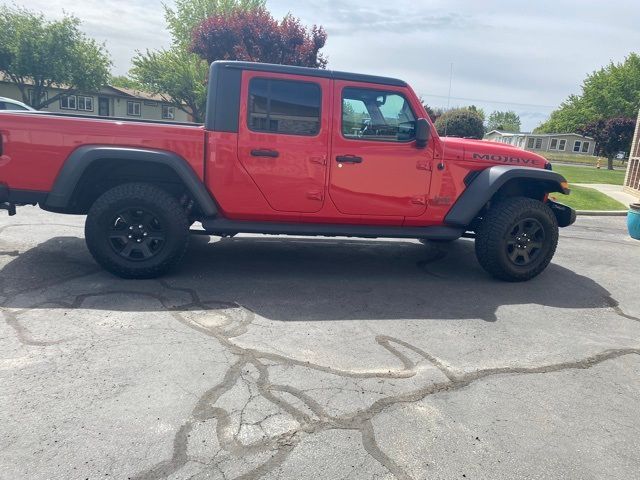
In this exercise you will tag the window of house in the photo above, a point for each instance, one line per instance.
(554, 144)
(562, 144)
(585, 147)
(133, 109)
(168, 112)
(577, 145)
(530, 142)
(538, 144)
(44, 96)
(69, 102)
(377, 115)
(283, 106)
(85, 103)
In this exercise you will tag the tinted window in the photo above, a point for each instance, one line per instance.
(282, 106)
(377, 115)
(11, 106)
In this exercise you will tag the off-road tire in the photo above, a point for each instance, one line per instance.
(166, 233)
(496, 243)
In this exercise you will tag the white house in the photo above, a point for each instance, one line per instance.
(545, 142)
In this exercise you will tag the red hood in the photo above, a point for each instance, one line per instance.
(493, 152)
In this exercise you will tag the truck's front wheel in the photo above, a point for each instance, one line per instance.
(517, 239)
(137, 230)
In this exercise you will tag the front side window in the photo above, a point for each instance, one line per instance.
(585, 147)
(284, 107)
(538, 144)
(576, 146)
(530, 142)
(562, 145)
(377, 115)
(554, 144)
(133, 109)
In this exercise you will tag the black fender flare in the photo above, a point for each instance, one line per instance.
(76, 164)
(489, 181)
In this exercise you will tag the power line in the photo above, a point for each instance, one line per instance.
(491, 101)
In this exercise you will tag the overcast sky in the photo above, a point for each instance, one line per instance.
(521, 55)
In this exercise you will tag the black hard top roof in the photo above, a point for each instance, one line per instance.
(311, 72)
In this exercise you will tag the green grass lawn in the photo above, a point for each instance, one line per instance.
(590, 174)
(584, 159)
(583, 198)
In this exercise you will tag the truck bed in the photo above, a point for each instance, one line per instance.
(35, 145)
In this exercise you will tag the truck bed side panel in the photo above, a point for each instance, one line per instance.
(36, 146)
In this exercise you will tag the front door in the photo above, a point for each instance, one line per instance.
(283, 140)
(375, 167)
(103, 106)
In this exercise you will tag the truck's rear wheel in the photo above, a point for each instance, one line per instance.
(517, 239)
(137, 230)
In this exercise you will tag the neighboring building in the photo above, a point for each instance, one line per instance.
(108, 102)
(632, 178)
(546, 142)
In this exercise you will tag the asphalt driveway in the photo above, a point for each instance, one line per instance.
(318, 359)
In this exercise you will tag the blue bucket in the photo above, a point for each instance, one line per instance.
(633, 221)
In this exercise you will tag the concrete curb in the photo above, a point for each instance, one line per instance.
(602, 213)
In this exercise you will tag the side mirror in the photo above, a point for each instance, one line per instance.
(423, 132)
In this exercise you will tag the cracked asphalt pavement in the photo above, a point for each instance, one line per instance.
(273, 358)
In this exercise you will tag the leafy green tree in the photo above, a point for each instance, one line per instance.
(460, 122)
(37, 54)
(434, 113)
(611, 136)
(175, 73)
(123, 81)
(613, 91)
(504, 121)
(477, 110)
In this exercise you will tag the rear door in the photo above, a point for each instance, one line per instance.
(283, 138)
(375, 167)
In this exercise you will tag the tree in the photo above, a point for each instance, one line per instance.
(191, 13)
(123, 81)
(460, 122)
(504, 121)
(477, 110)
(611, 136)
(37, 54)
(612, 91)
(255, 36)
(176, 74)
(434, 113)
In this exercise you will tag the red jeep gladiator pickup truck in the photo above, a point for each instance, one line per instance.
(284, 150)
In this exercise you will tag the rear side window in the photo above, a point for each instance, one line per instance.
(283, 106)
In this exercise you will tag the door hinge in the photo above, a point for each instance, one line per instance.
(315, 195)
(423, 165)
(419, 200)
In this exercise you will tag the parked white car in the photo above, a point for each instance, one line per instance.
(10, 104)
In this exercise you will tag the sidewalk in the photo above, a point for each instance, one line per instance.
(614, 191)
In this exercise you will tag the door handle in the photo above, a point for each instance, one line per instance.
(348, 159)
(264, 153)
